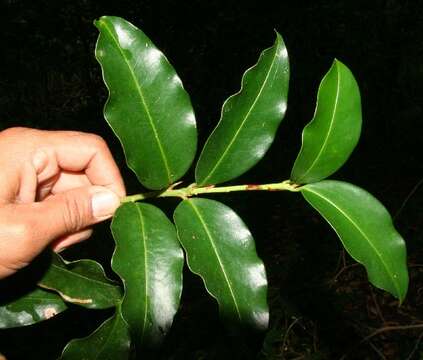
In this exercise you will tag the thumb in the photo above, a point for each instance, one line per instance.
(68, 212)
(27, 229)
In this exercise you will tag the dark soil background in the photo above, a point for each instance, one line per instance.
(322, 306)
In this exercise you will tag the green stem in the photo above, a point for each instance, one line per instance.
(193, 190)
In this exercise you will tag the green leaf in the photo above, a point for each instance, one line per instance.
(30, 308)
(249, 119)
(81, 282)
(110, 341)
(149, 260)
(221, 250)
(333, 133)
(148, 108)
(366, 231)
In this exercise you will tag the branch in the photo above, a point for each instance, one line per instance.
(193, 190)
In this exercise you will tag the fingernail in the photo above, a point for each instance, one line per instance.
(104, 203)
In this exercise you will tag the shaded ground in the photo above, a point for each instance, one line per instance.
(322, 306)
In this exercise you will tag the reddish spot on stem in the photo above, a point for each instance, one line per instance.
(253, 187)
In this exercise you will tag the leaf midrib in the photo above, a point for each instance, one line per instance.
(144, 242)
(141, 95)
(363, 234)
(210, 237)
(43, 299)
(332, 121)
(81, 276)
(247, 114)
(103, 345)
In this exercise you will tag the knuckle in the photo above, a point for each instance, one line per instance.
(22, 231)
(14, 131)
(73, 214)
(15, 226)
(97, 141)
(18, 236)
(94, 140)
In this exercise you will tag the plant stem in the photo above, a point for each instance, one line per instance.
(193, 190)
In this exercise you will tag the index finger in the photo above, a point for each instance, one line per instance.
(88, 153)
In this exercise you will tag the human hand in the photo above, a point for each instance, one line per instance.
(53, 186)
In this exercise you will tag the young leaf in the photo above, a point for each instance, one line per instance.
(333, 133)
(81, 282)
(35, 306)
(366, 231)
(149, 260)
(249, 119)
(221, 250)
(110, 341)
(148, 108)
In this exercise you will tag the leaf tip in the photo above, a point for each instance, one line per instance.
(340, 66)
(278, 35)
(279, 42)
(98, 22)
(336, 65)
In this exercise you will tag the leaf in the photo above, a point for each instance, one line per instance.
(333, 133)
(221, 250)
(149, 260)
(148, 108)
(81, 282)
(110, 341)
(366, 231)
(249, 119)
(30, 308)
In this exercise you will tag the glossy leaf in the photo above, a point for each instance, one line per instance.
(148, 108)
(333, 133)
(35, 306)
(221, 250)
(366, 231)
(110, 341)
(149, 260)
(81, 282)
(249, 119)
